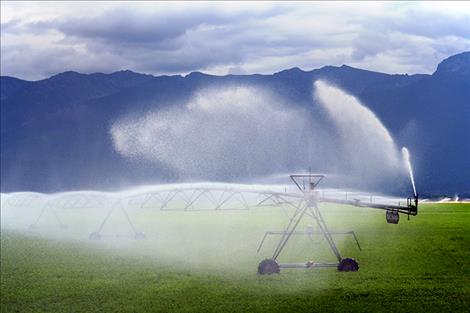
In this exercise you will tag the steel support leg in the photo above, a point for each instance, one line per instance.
(110, 212)
(324, 229)
(222, 202)
(294, 222)
(169, 197)
(33, 225)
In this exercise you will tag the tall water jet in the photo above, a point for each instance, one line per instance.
(365, 142)
(406, 157)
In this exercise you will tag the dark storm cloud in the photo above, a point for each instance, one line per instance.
(158, 41)
(127, 26)
(183, 42)
(124, 26)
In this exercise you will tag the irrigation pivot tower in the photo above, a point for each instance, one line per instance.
(307, 184)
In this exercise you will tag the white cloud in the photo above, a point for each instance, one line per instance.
(262, 37)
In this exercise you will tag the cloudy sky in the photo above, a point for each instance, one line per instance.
(39, 39)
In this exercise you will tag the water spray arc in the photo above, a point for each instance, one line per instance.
(365, 129)
(406, 157)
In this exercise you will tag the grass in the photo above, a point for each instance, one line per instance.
(206, 262)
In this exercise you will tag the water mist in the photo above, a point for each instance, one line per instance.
(368, 149)
(221, 132)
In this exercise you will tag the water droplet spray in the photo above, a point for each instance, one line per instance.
(406, 156)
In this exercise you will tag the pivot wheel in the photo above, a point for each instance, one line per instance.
(268, 267)
(348, 265)
(95, 236)
(139, 236)
(392, 217)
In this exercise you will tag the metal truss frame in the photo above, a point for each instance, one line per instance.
(217, 198)
(116, 206)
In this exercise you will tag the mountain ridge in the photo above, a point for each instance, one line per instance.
(58, 126)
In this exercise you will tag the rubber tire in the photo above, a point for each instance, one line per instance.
(392, 217)
(348, 265)
(268, 267)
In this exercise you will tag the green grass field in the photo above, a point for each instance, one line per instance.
(207, 261)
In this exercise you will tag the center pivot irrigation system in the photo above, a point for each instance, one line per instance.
(217, 197)
(307, 184)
